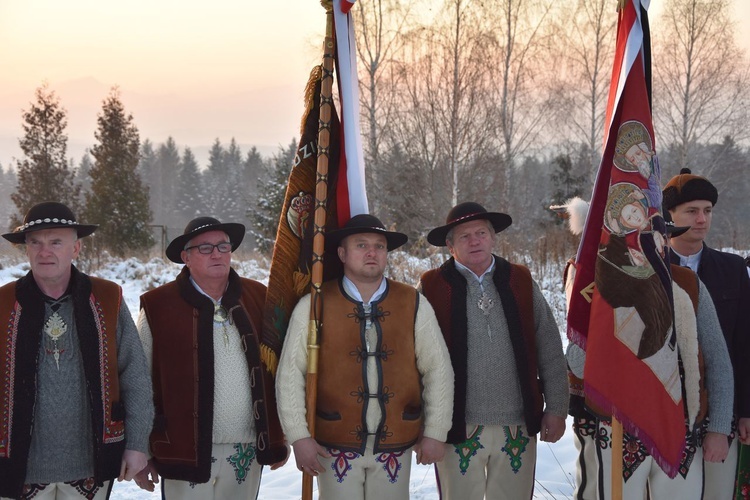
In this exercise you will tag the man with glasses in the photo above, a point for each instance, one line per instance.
(216, 423)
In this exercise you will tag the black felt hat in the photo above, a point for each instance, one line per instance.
(200, 225)
(465, 212)
(686, 187)
(48, 215)
(365, 223)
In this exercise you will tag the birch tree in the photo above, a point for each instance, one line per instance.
(702, 79)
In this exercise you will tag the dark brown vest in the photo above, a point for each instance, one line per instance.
(343, 391)
(445, 288)
(181, 322)
(96, 307)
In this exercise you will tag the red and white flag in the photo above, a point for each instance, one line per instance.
(352, 197)
(621, 309)
(346, 5)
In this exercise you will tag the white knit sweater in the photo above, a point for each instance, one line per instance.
(233, 421)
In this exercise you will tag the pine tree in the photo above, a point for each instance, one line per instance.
(83, 173)
(214, 179)
(43, 172)
(188, 196)
(7, 184)
(118, 201)
(167, 168)
(567, 185)
(234, 190)
(271, 189)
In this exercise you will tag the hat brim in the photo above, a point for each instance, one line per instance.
(235, 231)
(394, 239)
(675, 231)
(19, 237)
(499, 221)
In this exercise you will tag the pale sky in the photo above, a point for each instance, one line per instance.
(195, 70)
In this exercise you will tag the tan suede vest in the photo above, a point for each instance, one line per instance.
(343, 392)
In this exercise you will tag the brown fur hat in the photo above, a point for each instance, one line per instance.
(688, 187)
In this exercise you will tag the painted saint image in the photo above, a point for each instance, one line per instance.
(626, 210)
(634, 152)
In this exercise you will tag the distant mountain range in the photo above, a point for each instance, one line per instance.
(265, 118)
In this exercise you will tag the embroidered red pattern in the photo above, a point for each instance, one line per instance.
(9, 375)
(113, 431)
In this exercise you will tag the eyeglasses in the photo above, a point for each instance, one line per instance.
(208, 248)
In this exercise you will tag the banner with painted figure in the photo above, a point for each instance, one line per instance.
(621, 308)
(291, 263)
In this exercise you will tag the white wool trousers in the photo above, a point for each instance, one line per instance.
(494, 463)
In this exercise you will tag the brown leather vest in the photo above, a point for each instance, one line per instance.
(181, 322)
(343, 391)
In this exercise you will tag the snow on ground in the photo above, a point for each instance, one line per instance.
(555, 464)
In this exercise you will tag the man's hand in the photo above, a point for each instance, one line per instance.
(132, 463)
(715, 447)
(429, 450)
(281, 464)
(306, 452)
(147, 477)
(553, 428)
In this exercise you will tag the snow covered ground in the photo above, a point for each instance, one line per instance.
(555, 465)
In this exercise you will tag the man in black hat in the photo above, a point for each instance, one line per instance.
(75, 396)
(216, 423)
(385, 382)
(507, 357)
(690, 200)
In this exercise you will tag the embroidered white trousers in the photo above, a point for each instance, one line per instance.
(351, 476)
(495, 463)
(235, 475)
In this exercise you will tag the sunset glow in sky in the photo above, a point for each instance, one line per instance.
(195, 70)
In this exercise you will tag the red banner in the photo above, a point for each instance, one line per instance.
(621, 309)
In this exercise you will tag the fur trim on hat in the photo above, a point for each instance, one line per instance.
(686, 187)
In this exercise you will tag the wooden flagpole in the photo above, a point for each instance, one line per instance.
(616, 459)
(321, 196)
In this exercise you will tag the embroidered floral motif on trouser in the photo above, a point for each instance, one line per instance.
(515, 445)
(584, 438)
(350, 475)
(235, 474)
(71, 490)
(496, 462)
(643, 474)
(242, 460)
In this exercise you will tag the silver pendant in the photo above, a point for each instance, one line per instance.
(55, 328)
(220, 314)
(485, 304)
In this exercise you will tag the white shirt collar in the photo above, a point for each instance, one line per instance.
(478, 278)
(197, 287)
(691, 261)
(351, 289)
